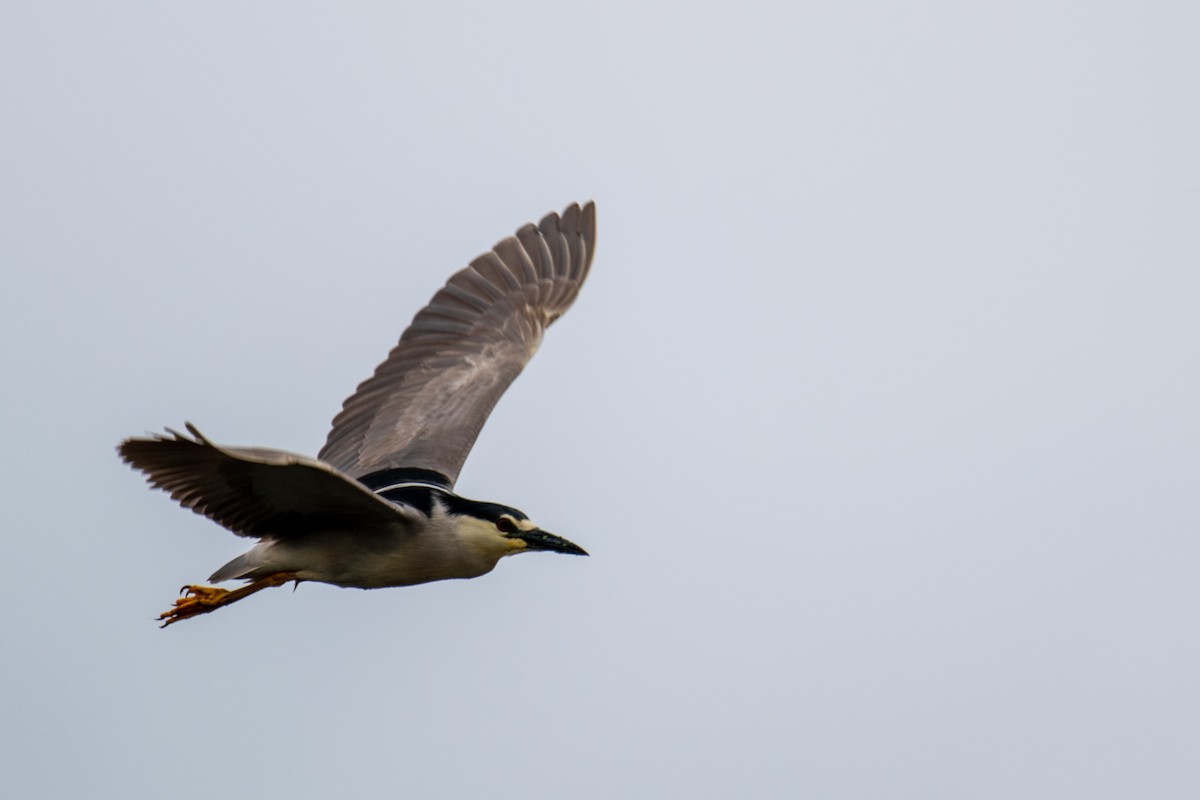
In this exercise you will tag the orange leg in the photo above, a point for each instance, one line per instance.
(203, 599)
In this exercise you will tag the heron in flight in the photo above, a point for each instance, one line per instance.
(377, 506)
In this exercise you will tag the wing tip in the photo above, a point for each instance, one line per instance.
(137, 451)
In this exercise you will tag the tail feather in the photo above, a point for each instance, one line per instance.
(241, 567)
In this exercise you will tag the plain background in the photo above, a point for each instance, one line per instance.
(878, 414)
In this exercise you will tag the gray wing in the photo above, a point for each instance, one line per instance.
(257, 492)
(427, 402)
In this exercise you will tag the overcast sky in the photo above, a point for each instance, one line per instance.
(878, 414)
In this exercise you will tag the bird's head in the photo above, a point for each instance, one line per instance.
(507, 530)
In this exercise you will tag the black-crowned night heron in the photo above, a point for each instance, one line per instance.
(376, 507)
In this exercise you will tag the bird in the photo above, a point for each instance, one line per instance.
(377, 508)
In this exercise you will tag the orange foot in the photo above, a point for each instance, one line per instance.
(195, 600)
(198, 600)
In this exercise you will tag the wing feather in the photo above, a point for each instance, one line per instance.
(256, 492)
(427, 402)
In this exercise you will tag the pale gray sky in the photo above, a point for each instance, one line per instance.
(879, 412)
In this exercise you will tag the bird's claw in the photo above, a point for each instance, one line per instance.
(195, 600)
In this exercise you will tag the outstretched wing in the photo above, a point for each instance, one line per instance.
(257, 492)
(427, 402)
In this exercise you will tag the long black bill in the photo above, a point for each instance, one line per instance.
(540, 540)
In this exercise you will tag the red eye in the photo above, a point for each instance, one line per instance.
(506, 525)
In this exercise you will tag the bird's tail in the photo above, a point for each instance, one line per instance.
(241, 567)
